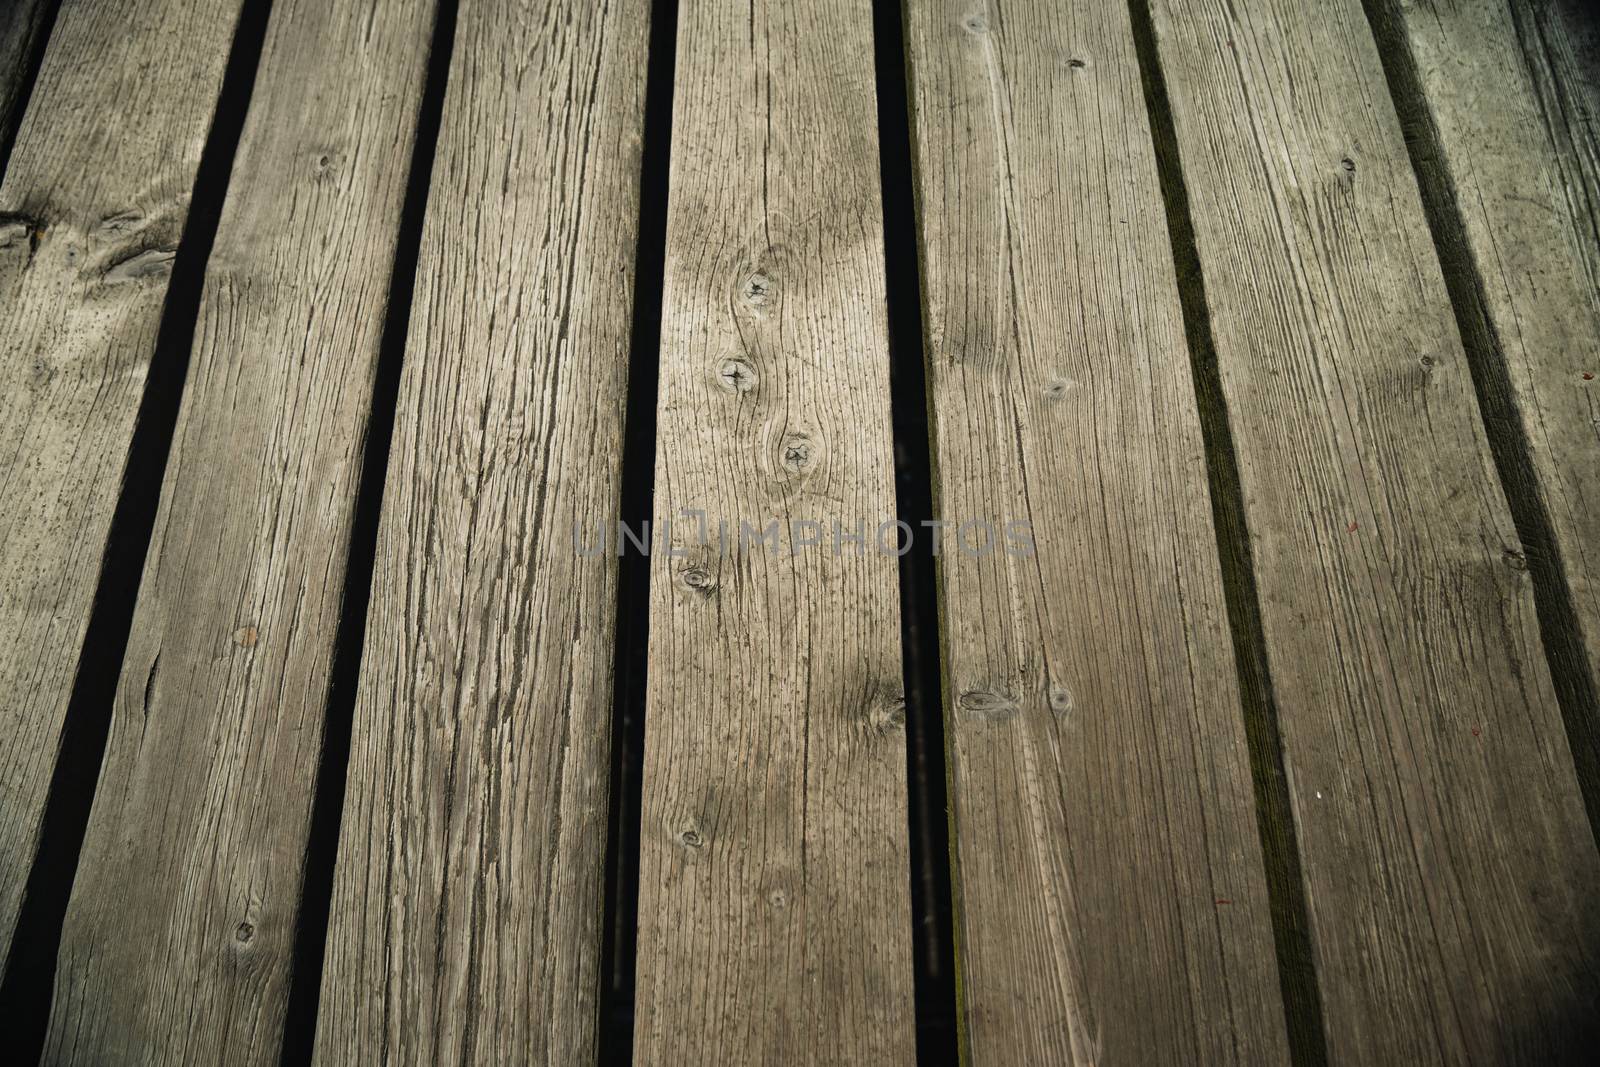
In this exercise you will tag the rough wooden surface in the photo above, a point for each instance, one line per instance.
(21, 22)
(1510, 95)
(1113, 902)
(774, 911)
(468, 903)
(178, 939)
(1448, 864)
(92, 207)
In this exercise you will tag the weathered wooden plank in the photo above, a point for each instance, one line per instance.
(178, 939)
(1114, 904)
(468, 902)
(21, 22)
(1510, 100)
(93, 204)
(774, 912)
(1448, 866)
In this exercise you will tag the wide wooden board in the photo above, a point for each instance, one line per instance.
(468, 902)
(179, 936)
(1113, 902)
(774, 898)
(94, 202)
(1449, 869)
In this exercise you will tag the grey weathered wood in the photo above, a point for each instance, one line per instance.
(1448, 865)
(92, 207)
(774, 913)
(179, 936)
(468, 902)
(21, 22)
(1510, 95)
(1113, 900)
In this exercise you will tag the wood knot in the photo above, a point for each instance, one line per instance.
(1514, 559)
(988, 705)
(1077, 64)
(244, 932)
(1059, 388)
(736, 376)
(150, 263)
(1348, 164)
(888, 714)
(1060, 698)
(976, 25)
(245, 636)
(797, 454)
(691, 839)
(699, 580)
(757, 290)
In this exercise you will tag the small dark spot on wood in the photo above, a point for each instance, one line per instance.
(1352, 528)
(1060, 698)
(1348, 164)
(1588, 376)
(1076, 64)
(1224, 900)
(1476, 732)
(244, 932)
(736, 376)
(777, 899)
(976, 24)
(1059, 388)
(1427, 362)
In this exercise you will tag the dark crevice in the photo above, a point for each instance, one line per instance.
(327, 808)
(1576, 689)
(25, 991)
(933, 940)
(620, 940)
(1291, 929)
(26, 34)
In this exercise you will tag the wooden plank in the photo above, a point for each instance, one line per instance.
(1113, 900)
(774, 911)
(179, 935)
(468, 902)
(1448, 866)
(21, 23)
(1510, 95)
(92, 207)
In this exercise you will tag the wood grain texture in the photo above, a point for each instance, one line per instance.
(1510, 95)
(469, 901)
(178, 939)
(21, 23)
(91, 210)
(774, 911)
(1113, 901)
(1448, 866)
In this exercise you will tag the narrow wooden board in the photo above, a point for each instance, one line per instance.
(774, 898)
(1113, 900)
(93, 205)
(469, 902)
(1448, 865)
(179, 936)
(21, 22)
(1511, 95)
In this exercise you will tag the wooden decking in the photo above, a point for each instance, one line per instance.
(1231, 370)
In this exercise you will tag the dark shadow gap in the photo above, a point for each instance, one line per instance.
(1576, 690)
(620, 941)
(932, 912)
(327, 806)
(1291, 930)
(25, 991)
(28, 42)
